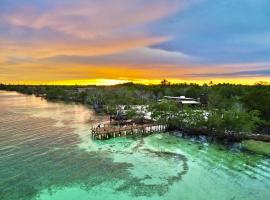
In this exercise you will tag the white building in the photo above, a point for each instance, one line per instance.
(184, 100)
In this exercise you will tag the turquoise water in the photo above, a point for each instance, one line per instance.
(46, 153)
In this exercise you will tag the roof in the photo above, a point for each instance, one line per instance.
(190, 102)
(178, 98)
(184, 100)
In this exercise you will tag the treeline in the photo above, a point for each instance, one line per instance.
(240, 108)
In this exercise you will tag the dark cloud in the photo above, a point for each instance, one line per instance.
(248, 73)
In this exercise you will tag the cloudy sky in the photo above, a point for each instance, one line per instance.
(113, 41)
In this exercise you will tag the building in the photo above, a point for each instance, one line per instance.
(184, 100)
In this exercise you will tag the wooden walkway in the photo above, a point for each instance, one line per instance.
(110, 131)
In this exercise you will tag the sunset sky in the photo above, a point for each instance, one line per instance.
(114, 41)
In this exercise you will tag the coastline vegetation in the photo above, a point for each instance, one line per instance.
(227, 108)
(258, 147)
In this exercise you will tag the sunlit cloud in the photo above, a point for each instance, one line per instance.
(137, 57)
(85, 28)
(43, 48)
(80, 71)
(250, 73)
(114, 41)
(91, 19)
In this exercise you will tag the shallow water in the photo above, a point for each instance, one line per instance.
(46, 153)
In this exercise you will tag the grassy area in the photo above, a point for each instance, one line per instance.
(258, 147)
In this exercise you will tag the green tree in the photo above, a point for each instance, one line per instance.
(233, 120)
(164, 111)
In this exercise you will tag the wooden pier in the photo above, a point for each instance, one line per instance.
(111, 131)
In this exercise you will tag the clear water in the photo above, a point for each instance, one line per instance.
(46, 153)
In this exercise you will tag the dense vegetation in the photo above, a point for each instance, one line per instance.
(227, 107)
(258, 147)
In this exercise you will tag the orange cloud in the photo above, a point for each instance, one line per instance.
(81, 73)
(84, 28)
(43, 49)
(91, 42)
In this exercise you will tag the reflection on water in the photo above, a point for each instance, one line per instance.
(46, 153)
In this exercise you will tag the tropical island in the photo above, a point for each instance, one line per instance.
(224, 112)
(134, 100)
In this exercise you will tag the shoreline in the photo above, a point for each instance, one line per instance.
(232, 137)
(226, 138)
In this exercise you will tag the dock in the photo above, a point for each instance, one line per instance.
(111, 131)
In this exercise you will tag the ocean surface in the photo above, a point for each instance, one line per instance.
(46, 153)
